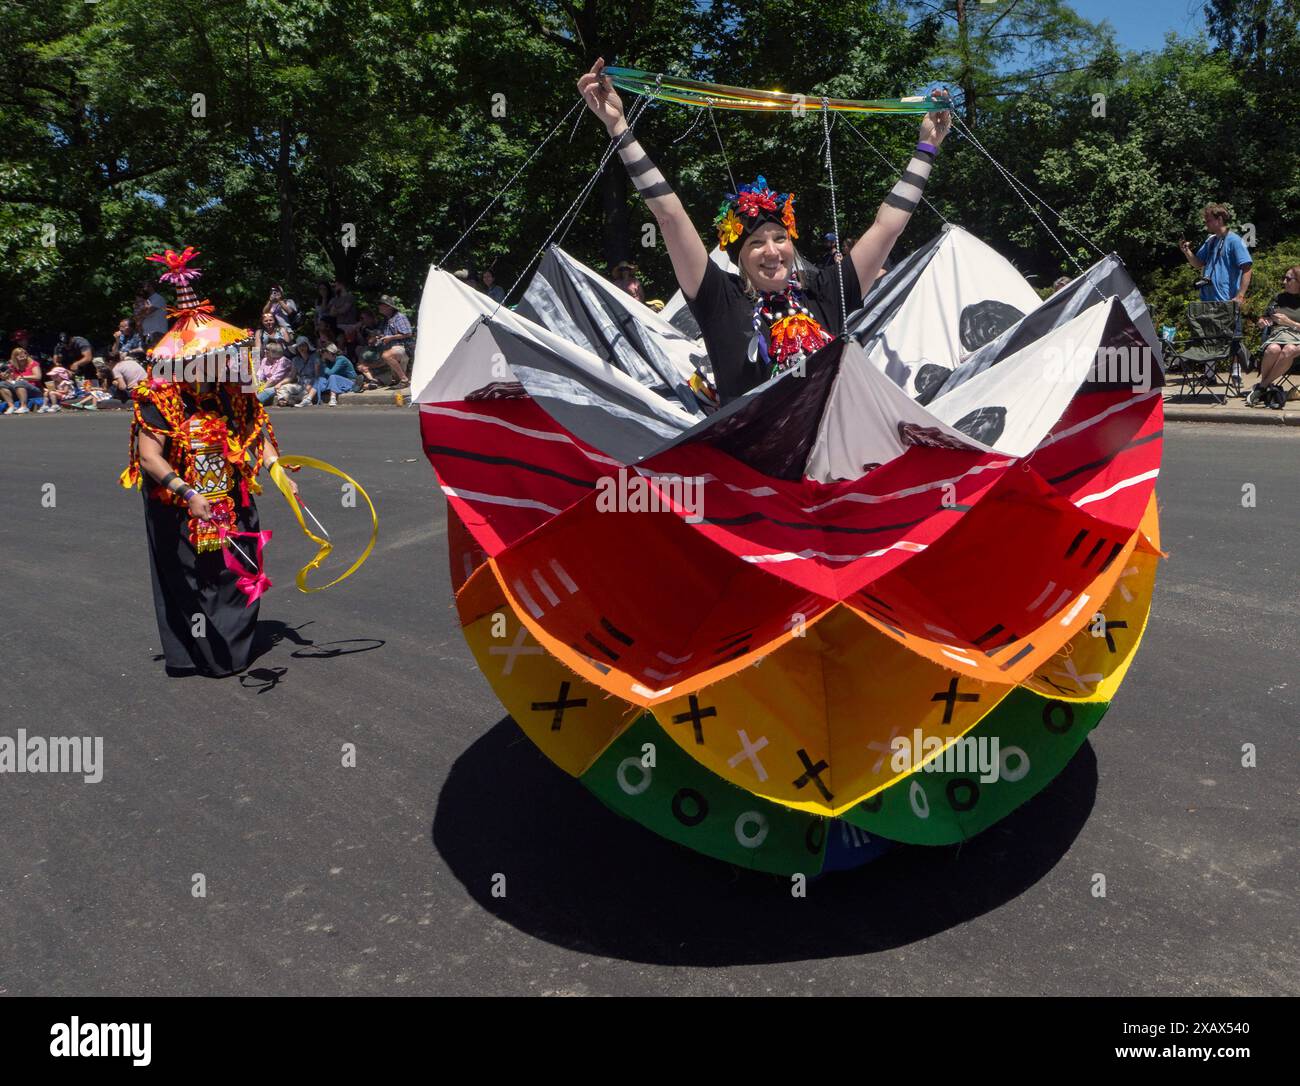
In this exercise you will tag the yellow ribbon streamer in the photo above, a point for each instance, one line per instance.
(281, 480)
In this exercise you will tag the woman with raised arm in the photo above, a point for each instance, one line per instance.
(781, 308)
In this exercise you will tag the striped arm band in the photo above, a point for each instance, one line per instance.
(646, 176)
(906, 194)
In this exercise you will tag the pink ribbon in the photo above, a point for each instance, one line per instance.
(251, 585)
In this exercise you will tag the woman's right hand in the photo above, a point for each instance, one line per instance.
(200, 508)
(601, 97)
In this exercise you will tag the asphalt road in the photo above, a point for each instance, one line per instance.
(322, 879)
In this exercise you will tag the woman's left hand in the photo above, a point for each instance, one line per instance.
(936, 125)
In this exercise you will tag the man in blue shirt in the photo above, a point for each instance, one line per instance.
(1223, 259)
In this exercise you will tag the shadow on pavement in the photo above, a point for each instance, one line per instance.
(581, 877)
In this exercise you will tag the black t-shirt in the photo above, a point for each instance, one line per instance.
(1289, 304)
(726, 319)
(75, 348)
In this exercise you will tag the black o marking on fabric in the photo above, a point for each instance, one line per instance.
(972, 796)
(815, 836)
(679, 807)
(873, 804)
(1050, 724)
(559, 705)
(952, 697)
(509, 461)
(813, 773)
(696, 717)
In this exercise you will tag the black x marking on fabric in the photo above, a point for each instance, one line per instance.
(561, 702)
(1110, 641)
(813, 773)
(952, 697)
(696, 716)
(1055, 686)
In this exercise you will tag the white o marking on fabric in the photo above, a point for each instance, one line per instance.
(751, 840)
(639, 787)
(919, 800)
(1021, 769)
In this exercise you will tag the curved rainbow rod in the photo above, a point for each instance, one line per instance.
(691, 92)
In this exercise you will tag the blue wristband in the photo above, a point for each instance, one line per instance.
(929, 148)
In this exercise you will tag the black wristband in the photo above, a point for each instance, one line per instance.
(166, 481)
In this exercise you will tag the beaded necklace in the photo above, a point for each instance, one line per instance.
(795, 332)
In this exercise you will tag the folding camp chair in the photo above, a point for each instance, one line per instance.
(1214, 337)
(1287, 382)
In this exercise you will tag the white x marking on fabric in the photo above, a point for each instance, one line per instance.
(749, 751)
(516, 649)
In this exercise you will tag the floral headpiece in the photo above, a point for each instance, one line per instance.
(178, 270)
(743, 212)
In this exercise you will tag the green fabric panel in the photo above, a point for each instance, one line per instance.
(681, 800)
(957, 805)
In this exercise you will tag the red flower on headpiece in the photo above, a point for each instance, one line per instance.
(177, 271)
(751, 203)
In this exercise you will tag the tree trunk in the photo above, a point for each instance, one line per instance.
(284, 189)
(965, 76)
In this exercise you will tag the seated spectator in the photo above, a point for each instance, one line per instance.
(337, 375)
(271, 330)
(1281, 327)
(126, 373)
(23, 380)
(623, 271)
(395, 339)
(490, 286)
(126, 340)
(76, 354)
(275, 369)
(342, 306)
(633, 287)
(327, 330)
(300, 387)
(58, 387)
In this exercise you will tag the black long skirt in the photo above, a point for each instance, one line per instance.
(206, 624)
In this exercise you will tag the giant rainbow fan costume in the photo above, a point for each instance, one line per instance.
(942, 528)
